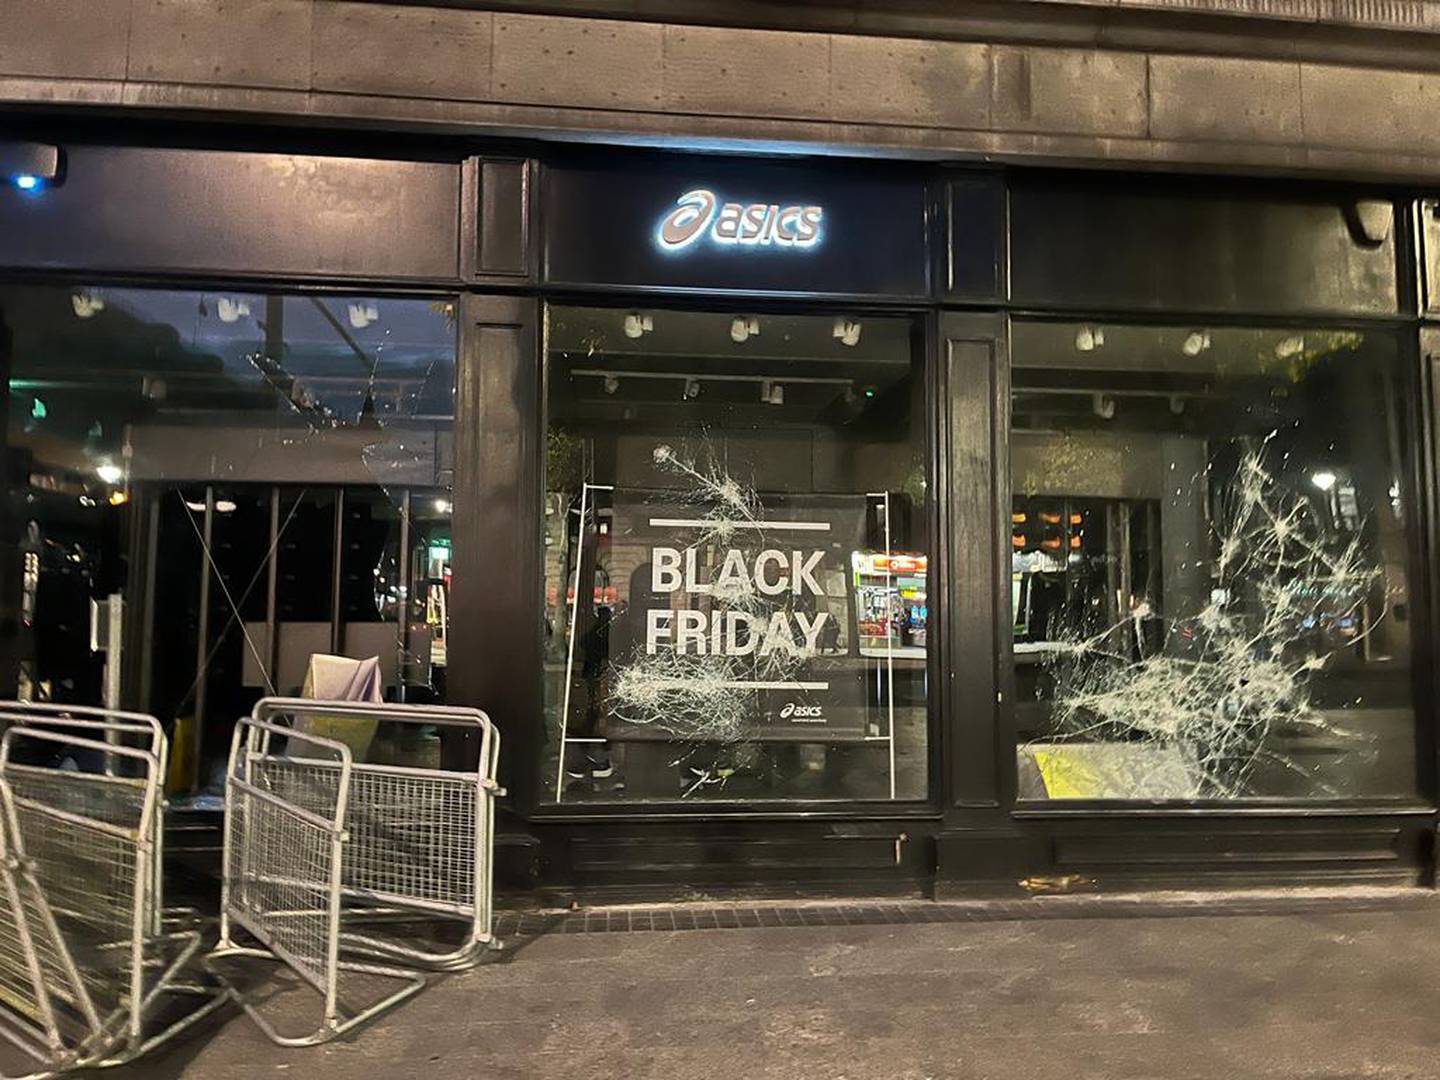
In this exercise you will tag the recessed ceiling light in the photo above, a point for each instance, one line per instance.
(743, 327)
(638, 325)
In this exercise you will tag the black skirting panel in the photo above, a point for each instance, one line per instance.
(1192, 851)
(612, 861)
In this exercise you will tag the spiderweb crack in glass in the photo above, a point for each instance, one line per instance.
(710, 696)
(1238, 671)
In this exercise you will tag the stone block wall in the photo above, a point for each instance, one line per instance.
(455, 69)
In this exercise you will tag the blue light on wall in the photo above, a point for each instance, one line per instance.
(30, 167)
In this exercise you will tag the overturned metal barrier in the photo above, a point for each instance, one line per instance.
(92, 959)
(283, 855)
(46, 1011)
(138, 730)
(330, 860)
(420, 839)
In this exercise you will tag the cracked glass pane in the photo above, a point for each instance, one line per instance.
(1209, 581)
(224, 463)
(736, 540)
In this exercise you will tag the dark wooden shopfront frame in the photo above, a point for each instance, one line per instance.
(970, 830)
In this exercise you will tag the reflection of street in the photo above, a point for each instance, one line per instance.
(892, 610)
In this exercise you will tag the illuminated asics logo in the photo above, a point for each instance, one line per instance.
(699, 214)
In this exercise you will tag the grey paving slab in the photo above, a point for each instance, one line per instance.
(1319, 995)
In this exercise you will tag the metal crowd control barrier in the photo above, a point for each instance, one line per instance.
(421, 839)
(81, 900)
(403, 841)
(47, 1008)
(285, 845)
(141, 730)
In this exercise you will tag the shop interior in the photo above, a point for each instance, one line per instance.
(212, 487)
(1208, 563)
(790, 422)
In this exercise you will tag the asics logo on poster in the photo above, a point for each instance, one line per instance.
(700, 213)
(792, 711)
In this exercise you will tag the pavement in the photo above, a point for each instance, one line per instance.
(1328, 988)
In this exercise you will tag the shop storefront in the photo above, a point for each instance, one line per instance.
(830, 526)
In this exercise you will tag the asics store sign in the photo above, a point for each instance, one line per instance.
(700, 215)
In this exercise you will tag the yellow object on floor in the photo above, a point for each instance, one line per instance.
(181, 776)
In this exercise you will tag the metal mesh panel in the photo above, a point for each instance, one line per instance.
(412, 837)
(18, 989)
(82, 899)
(99, 789)
(88, 871)
(421, 839)
(88, 875)
(284, 838)
(116, 800)
(86, 949)
(279, 875)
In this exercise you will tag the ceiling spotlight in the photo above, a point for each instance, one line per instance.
(1373, 218)
(692, 389)
(1103, 406)
(362, 315)
(442, 506)
(1089, 338)
(772, 393)
(638, 325)
(1195, 343)
(744, 327)
(612, 383)
(846, 331)
(1324, 479)
(86, 302)
(1289, 347)
(110, 472)
(231, 310)
(224, 506)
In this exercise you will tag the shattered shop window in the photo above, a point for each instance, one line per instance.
(260, 477)
(1209, 580)
(735, 558)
